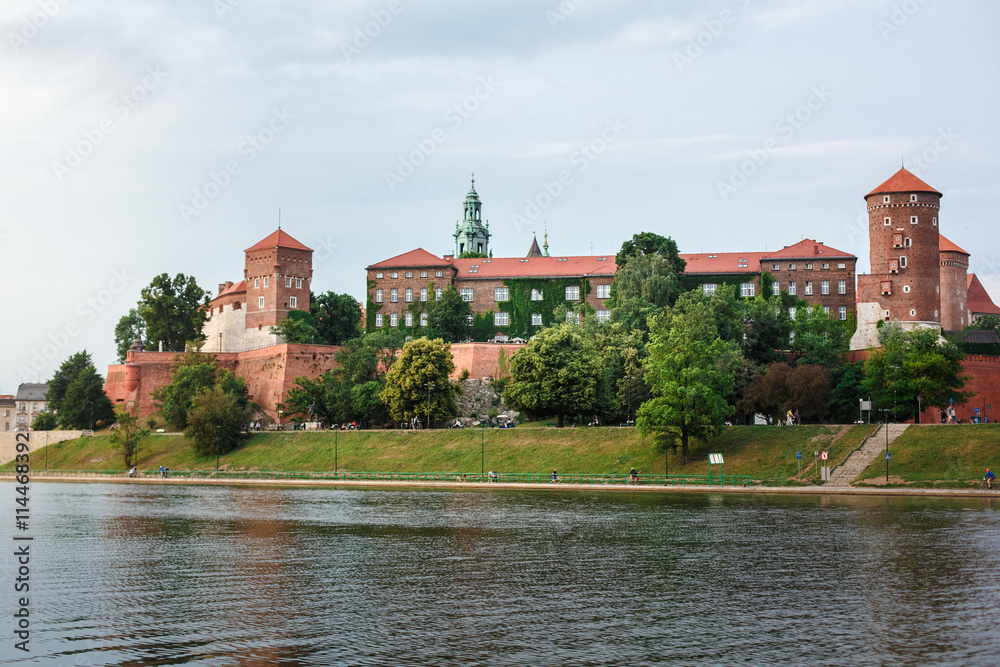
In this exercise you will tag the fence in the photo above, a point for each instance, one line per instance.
(505, 478)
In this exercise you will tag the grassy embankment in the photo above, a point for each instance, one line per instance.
(948, 456)
(766, 453)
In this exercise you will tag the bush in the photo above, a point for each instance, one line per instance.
(216, 422)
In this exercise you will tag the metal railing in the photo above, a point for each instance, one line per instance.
(610, 479)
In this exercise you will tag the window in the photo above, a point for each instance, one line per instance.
(393, 295)
(791, 313)
(423, 274)
(825, 267)
(776, 288)
(393, 319)
(907, 242)
(423, 319)
(748, 289)
(288, 281)
(409, 274)
(423, 294)
(809, 288)
(298, 283)
(293, 302)
(536, 319)
(378, 296)
(842, 312)
(791, 288)
(573, 318)
(842, 266)
(256, 283)
(500, 294)
(913, 313)
(934, 221)
(708, 289)
(887, 222)
(437, 274)
(742, 263)
(393, 275)
(437, 293)
(809, 267)
(841, 287)
(409, 295)
(885, 199)
(573, 293)
(260, 302)
(378, 319)
(776, 267)
(266, 280)
(378, 275)
(826, 309)
(791, 267)
(913, 219)
(913, 197)
(824, 287)
(501, 319)
(470, 320)
(604, 316)
(466, 293)
(902, 262)
(906, 289)
(408, 319)
(604, 291)
(536, 295)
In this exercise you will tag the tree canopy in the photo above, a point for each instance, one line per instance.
(193, 373)
(648, 243)
(418, 384)
(127, 437)
(448, 319)
(216, 422)
(76, 394)
(337, 317)
(172, 311)
(129, 328)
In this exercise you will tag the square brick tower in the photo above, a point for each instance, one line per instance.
(278, 274)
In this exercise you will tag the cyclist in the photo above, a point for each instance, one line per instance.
(989, 478)
(633, 477)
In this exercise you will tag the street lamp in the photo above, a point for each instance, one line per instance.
(895, 379)
(628, 414)
(430, 385)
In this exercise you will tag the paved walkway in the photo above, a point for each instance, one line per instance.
(872, 449)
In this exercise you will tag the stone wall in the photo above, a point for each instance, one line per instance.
(478, 399)
(37, 440)
(482, 360)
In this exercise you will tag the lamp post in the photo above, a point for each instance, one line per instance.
(885, 421)
(895, 379)
(430, 385)
(482, 448)
(335, 468)
(217, 450)
(628, 414)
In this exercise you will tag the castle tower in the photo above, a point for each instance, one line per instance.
(905, 252)
(470, 234)
(278, 273)
(954, 286)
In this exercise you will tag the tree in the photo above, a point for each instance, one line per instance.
(76, 394)
(911, 364)
(337, 317)
(172, 311)
(787, 387)
(216, 422)
(643, 286)
(418, 383)
(847, 391)
(647, 243)
(193, 374)
(689, 372)
(448, 319)
(127, 437)
(985, 323)
(819, 338)
(129, 328)
(558, 372)
(473, 255)
(45, 421)
(298, 327)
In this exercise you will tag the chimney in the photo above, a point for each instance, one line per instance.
(815, 249)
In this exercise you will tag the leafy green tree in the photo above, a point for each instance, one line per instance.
(689, 372)
(448, 319)
(760, 326)
(299, 327)
(76, 394)
(911, 364)
(847, 392)
(418, 384)
(129, 328)
(788, 387)
(473, 255)
(337, 317)
(985, 323)
(127, 436)
(819, 338)
(45, 421)
(172, 310)
(233, 384)
(216, 422)
(558, 372)
(648, 243)
(310, 398)
(195, 372)
(643, 286)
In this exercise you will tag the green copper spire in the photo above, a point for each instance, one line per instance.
(471, 235)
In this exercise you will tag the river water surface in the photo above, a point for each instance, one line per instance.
(142, 575)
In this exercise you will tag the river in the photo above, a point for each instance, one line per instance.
(139, 575)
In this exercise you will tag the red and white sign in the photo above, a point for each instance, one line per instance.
(824, 455)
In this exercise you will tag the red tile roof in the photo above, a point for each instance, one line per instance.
(808, 249)
(980, 302)
(722, 262)
(418, 257)
(279, 239)
(535, 267)
(235, 288)
(902, 181)
(948, 246)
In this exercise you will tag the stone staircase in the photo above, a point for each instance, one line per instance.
(871, 449)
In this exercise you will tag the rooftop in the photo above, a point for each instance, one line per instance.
(722, 262)
(948, 246)
(279, 239)
(808, 249)
(536, 267)
(980, 302)
(32, 392)
(902, 181)
(414, 258)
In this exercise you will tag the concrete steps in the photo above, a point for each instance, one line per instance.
(872, 449)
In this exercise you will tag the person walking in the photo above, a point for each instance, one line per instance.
(989, 478)
(555, 476)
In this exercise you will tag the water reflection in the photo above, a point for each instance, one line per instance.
(235, 576)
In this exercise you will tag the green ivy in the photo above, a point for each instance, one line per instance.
(689, 283)
(520, 306)
(371, 309)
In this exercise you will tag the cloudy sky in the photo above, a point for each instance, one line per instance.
(144, 136)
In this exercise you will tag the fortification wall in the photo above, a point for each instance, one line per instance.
(37, 440)
(482, 360)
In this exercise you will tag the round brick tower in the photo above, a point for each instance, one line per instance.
(905, 253)
(954, 286)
